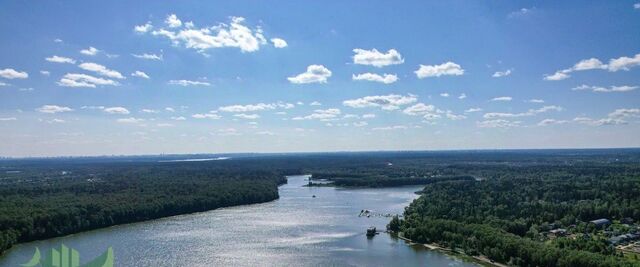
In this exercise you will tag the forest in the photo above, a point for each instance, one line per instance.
(499, 204)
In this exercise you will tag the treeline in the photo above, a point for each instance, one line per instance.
(376, 180)
(47, 201)
(503, 216)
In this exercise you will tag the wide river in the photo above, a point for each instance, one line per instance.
(295, 230)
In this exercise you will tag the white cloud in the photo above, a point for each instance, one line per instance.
(385, 78)
(265, 133)
(530, 112)
(360, 124)
(116, 110)
(83, 80)
(172, 21)
(102, 70)
(233, 34)
(179, 118)
(625, 113)
(8, 119)
(130, 120)
(247, 116)
(428, 112)
(152, 111)
(444, 94)
(279, 43)
(500, 123)
(227, 132)
(45, 73)
(315, 103)
(91, 51)
(247, 108)
(448, 68)
(556, 76)
(547, 122)
(4, 84)
(188, 83)
(148, 56)
(502, 98)
(140, 74)
(143, 28)
(390, 128)
(535, 101)
(636, 5)
(164, 125)
(462, 96)
(386, 102)
(314, 74)
(59, 59)
(368, 116)
(499, 74)
(521, 12)
(56, 121)
(615, 64)
(13, 74)
(471, 110)
(611, 89)
(375, 58)
(51, 109)
(321, 114)
(57, 40)
(170, 109)
(624, 63)
(209, 115)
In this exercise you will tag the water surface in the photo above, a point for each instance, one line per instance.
(295, 230)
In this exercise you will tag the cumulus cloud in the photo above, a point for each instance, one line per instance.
(360, 123)
(13, 74)
(84, 80)
(615, 64)
(4, 84)
(499, 123)
(279, 43)
(209, 115)
(101, 70)
(45, 73)
(499, 74)
(368, 116)
(315, 103)
(247, 108)
(448, 68)
(178, 118)
(385, 78)
(59, 59)
(148, 56)
(188, 83)
(321, 114)
(140, 74)
(131, 120)
(146, 110)
(390, 128)
(314, 74)
(172, 21)
(428, 112)
(233, 34)
(535, 101)
(247, 116)
(91, 51)
(502, 98)
(462, 96)
(611, 89)
(444, 94)
(386, 102)
(51, 109)
(530, 112)
(116, 110)
(547, 122)
(471, 110)
(143, 28)
(375, 58)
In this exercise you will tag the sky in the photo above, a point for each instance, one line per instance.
(148, 77)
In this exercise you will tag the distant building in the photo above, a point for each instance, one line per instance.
(601, 223)
(623, 238)
(558, 232)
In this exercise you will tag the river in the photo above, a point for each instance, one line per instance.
(295, 230)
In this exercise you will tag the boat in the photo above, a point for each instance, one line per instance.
(371, 231)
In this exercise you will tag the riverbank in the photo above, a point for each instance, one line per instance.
(481, 259)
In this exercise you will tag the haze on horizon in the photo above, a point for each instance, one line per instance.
(122, 78)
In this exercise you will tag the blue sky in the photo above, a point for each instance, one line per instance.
(103, 78)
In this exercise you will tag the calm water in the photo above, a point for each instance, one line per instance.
(296, 230)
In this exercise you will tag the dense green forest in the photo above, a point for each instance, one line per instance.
(500, 204)
(505, 216)
(45, 200)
